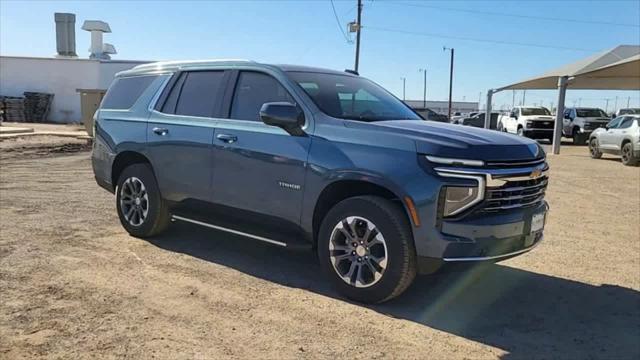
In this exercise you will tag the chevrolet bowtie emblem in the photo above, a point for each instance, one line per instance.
(535, 174)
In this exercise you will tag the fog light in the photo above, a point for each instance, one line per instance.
(458, 198)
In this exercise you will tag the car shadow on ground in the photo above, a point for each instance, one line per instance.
(526, 314)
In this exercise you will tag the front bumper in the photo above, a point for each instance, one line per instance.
(486, 238)
(488, 231)
(538, 133)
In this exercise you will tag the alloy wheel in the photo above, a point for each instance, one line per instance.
(626, 153)
(358, 251)
(593, 147)
(134, 201)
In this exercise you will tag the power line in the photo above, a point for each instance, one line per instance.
(338, 22)
(512, 15)
(375, 28)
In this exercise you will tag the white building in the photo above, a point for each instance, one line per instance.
(59, 76)
(442, 107)
(64, 74)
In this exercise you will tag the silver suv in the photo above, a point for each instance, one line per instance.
(621, 137)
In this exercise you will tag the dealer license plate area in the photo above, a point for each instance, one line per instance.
(537, 222)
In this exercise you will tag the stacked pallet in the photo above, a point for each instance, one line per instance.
(36, 106)
(12, 108)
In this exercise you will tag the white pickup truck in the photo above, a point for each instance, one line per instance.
(532, 122)
(578, 123)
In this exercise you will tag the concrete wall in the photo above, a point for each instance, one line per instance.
(60, 77)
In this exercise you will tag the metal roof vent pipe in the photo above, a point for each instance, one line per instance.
(97, 27)
(65, 34)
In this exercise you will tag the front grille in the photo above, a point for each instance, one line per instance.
(593, 126)
(515, 194)
(542, 124)
(513, 163)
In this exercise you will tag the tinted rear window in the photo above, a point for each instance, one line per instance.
(124, 92)
(199, 93)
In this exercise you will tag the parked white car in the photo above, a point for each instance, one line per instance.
(529, 121)
(578, 123)
(620, 137)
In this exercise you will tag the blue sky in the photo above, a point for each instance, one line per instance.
(306, 32)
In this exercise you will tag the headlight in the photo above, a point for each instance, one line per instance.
(529, 123)
(459, 198)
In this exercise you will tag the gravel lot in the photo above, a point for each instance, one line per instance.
(73, 284)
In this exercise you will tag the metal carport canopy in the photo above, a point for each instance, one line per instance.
(615, 69)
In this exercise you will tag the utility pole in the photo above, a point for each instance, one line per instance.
(479, 100)
(524, 96)
(606, 106)
(513, 99)
(359, 28)
(404, 87)
(450, 77)
(424, 92)
(615, 106)
(628, 100)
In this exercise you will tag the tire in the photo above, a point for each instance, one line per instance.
(136, 189)
(337, 255)
(594, 149)
(578, 139)
(627, 156)
(520, 131)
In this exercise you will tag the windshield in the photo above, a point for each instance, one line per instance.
(351, 97)
(535, 111)
(629, 111)
(590, 113)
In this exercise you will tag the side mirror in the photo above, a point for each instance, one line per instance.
(568, 117)
(283, 115)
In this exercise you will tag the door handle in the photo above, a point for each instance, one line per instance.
(227, 138)
(160, 131)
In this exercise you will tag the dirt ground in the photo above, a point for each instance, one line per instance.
(73, 284)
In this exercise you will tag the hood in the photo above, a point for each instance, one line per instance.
(464, 142)
(598, 119)
(539, 117)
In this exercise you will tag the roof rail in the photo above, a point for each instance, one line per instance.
(351, 72)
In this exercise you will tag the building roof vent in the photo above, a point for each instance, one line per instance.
(65, 34)
(97, 49)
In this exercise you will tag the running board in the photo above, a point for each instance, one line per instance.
(221, 228)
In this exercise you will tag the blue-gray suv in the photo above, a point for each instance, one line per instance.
(305, 157)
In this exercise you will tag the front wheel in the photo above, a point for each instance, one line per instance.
(594, 149)
(141, 209)
(520, 131)
(366, 249)
(627, 155)
(578, 138)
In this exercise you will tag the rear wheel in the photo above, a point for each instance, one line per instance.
(627, 155)
(366, 249)
(141, 209)
(594, 149)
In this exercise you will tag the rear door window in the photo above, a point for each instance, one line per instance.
(124, 92)
(626, 123)
(253, 89)
(199, 93)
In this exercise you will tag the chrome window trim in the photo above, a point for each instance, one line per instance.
(154, 99)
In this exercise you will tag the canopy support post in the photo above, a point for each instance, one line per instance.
(563, 81)
(487, 115)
